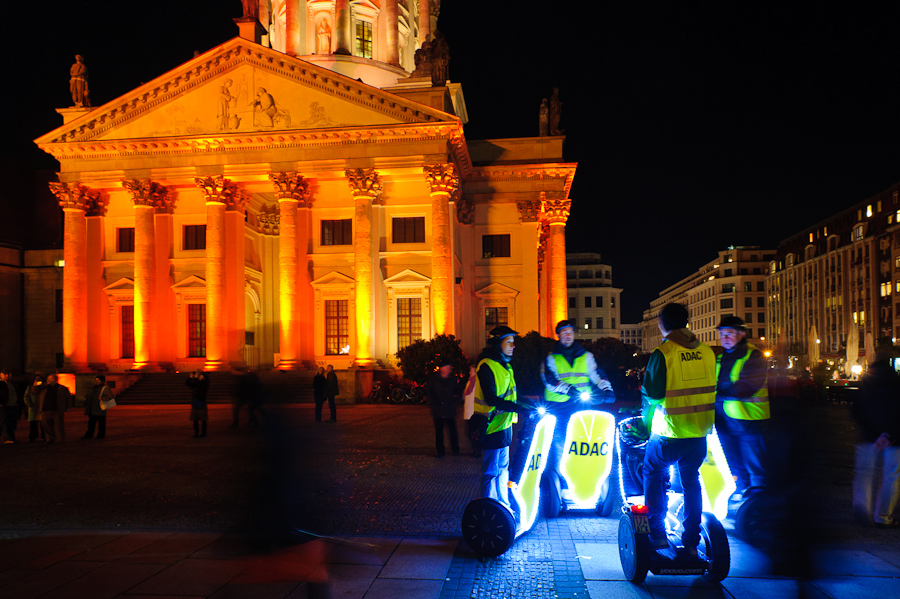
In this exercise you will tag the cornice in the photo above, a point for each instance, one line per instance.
(221, 59)
(517, 172)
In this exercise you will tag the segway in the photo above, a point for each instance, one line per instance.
(636, 553)
(490, 527)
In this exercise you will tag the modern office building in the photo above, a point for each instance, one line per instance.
(732, 284)
(593, 301)
(631, 334)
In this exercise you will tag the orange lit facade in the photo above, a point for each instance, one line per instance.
(259, 207)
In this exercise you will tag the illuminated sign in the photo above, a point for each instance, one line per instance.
(587, 456)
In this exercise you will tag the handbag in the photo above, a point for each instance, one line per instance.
(110, 403)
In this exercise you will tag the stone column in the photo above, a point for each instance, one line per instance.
(75, 200)
(292, 16)
(220, 193)
(556, 212)
(391, 33)
(424, 21)
(291, 189)
(342, 27)
(366, 186)
(147, 197)
(443, 182)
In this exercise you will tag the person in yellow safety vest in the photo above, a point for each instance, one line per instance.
(567, 372)
(742, 406)
(496, 407)
(679, 395)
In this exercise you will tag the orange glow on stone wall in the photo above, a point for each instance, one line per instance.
(288, 291)
(215, 285)
(362, 242)
(75, 289)
(441, 263)
(558, 296)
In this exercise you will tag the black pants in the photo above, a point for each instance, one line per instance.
(320, 401)
(94, 421)
(35, 430)
(439, 435)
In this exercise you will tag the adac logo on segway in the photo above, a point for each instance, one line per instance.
(535, 463)
(589, 448)
(690, 356)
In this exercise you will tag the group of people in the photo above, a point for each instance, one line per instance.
(46, 403)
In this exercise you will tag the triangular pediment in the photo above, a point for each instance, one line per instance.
(241, 88)
(333, 278)
(191, 282)
(496, 290)
(122, 285)
(407, 277)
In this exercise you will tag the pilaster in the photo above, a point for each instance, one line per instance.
(443, 182)
(366, 186)
(556, 213)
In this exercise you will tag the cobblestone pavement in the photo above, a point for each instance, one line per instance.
(370, 480)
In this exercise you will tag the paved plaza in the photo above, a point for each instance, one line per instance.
(151, 511)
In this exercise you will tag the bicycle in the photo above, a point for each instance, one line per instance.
(378, 393)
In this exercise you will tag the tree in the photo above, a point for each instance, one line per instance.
(420, 358)
(531, 349)
(616, 358)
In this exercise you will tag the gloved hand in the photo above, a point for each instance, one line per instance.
(608, 396)
(574, 392)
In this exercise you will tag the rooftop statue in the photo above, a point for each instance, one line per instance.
(555, 111)
(78, 83)
(544, 119)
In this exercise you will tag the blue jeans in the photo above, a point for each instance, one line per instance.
(495, 475)
(743, 442)
(688, 454)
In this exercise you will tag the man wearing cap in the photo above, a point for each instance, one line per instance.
(495, 401)
(679, 395)
(444, 394)
(567, 372)
(742, 405)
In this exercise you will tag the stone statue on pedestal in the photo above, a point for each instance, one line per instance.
(544, 119)
(78, 83)
(440, 60)
(555, 111)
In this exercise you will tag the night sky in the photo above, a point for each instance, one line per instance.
(694, 128)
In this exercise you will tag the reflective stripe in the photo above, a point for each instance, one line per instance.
(569, 375)
(754, 399)
(687, 409)
(691, 391)
(744, 408)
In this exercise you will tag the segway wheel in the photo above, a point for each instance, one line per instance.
(488, 527)
(634, 551)
(714, 548)
(551, 494)
(756, 521)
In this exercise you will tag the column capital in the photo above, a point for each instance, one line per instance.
(555, 211)
(75, 196)
(442, 178)
(364, 182)
(529, 210)
(145, 192)
(291, 185)
(219, 190)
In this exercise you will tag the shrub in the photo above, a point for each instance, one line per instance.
(420, 358)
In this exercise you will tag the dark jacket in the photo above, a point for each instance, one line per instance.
(92, 400)
(331, 385)
(199, 387)
(444, 395)
(753, 376)
(877, 408)
(319, 386)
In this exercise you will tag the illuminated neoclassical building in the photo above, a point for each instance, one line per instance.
(260, 206)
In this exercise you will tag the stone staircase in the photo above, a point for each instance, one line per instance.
(170, 388)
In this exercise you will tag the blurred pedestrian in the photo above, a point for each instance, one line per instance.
(53, 402)
(249, 392)
(469, 411)
(32, 403)
(9, 399)
(319, 383)
(742, 407)
(496, 407)
(444, 394)
(93, 408)
(331, 391)
(198, 381)
(877, 411)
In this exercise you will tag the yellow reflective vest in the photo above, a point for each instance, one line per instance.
(576, 375)
(688, 410)
(505, 384)
(755, 407)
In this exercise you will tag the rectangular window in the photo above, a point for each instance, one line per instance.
(612, 302)
(409, 320)
(748, 286)
(587, 301)
(748, 317)
(194, 237)
(573, 301)
(337, 327)
(408, 230)
(599, 301)
(337, 232)
(600, 322)
(728, 288)
(613, 325)
(128, 331)
(587, 323)
(58, 306)
(363, 39)
(495, 246)
(748, 302)
(760, 302)
(760, 317)
(125, 239)
(726, 303)
(495, 317)
(760, 285)
(196, 330)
